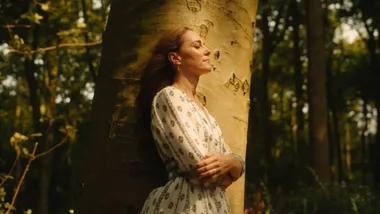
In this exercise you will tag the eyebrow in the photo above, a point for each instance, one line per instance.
(197, 41)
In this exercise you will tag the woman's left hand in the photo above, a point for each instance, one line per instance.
(214, 165)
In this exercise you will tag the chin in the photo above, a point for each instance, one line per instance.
(206, 71)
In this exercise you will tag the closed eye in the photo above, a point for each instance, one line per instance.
(197, 44)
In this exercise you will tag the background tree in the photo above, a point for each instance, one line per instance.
(113, 152)
(317, 89)
(52, 49)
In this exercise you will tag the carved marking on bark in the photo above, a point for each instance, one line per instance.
(216, 55)
(227, 11)
(235, 84)
(240, 119)
(204, 31)
(194, 5)
(202, 98)
(235, 42)
(205, 28)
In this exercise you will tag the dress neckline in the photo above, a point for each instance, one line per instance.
(201, 108)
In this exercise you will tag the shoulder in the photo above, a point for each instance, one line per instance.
(172, 98)
(169, 93)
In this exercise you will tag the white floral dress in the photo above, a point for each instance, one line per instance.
(184, 133)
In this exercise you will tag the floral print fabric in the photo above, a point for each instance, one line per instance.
(184, 133)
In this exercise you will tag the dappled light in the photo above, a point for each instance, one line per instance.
(294, 87)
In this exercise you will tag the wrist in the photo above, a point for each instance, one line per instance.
(237, 166)
(235, 163)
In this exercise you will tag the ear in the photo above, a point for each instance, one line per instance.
(174, 58)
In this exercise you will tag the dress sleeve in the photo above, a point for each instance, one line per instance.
(174, 127)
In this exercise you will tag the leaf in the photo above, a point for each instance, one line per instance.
(36, 135)
(81, 25)
(37, 17)
(9, 206)
(4, 176)
(45, 7)
(25, 151)
(2, 194)
(70, 131)
(63, 130)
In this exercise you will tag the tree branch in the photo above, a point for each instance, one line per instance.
(55, 47)
(21, 180)
(16, 26)
(9, 173)
(51, 149)
(32, 158)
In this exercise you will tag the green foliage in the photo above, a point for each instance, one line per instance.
(329, 198)
(66, 74)
(30, 39)
(352, 96)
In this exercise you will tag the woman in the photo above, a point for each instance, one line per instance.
(187, 137)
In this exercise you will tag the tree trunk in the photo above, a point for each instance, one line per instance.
(264, 97)
(115, 165)
(30, 70)
(317, 90)
(302, 151)
(330, 137)
(255, 148)
(46, 162)
(363, 140)
(373, 48)
(334, 132)
(347, 149)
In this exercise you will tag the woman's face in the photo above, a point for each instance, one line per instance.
(194, 57)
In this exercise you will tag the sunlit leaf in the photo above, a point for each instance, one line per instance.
(37, 18)
(9, 206)
(25, 151)
(5, 176)
(45, 6)
(2, 194)
(36, 135)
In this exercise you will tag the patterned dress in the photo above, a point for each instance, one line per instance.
(184, 133)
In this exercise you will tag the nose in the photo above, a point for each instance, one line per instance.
(207, 51)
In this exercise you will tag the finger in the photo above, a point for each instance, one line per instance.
(211, 173)
(206, 161)
(211, 154)
(216, 176)
(208, 167)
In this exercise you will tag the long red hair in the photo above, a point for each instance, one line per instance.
(158, 73)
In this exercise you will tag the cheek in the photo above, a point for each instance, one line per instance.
(192, 58)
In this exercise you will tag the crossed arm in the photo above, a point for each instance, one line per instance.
(173, 122)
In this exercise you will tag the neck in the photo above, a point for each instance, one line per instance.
(187, 84)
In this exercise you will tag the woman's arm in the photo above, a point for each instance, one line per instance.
(174, 128)
(216, 165)
(226, 163)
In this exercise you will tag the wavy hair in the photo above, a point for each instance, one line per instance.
(157, 73)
